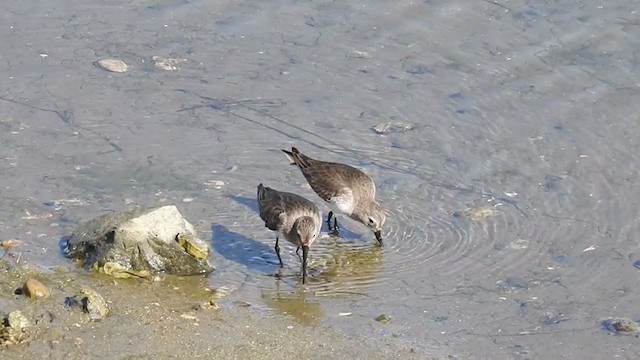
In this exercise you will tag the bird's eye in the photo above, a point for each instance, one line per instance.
(371, 221)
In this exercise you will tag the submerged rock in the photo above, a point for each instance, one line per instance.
(140, 240)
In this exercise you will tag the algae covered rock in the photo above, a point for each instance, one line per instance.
(139, 240)
(13, 328)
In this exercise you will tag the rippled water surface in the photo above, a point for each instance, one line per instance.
(509, 174)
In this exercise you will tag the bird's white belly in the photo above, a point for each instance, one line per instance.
(342, 204)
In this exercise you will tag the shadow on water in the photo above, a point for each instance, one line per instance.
(242, 250)
(251, 203)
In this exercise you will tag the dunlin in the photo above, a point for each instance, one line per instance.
(293, 216)
(346, 189)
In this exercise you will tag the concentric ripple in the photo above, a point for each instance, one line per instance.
(442, 242)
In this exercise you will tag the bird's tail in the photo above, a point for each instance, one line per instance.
(262, 192)
(297, 158)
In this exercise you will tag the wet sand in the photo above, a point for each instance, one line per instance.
(509, 182)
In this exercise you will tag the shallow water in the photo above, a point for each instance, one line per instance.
(512, 218)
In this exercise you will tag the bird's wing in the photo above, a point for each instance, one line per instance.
(271, 207)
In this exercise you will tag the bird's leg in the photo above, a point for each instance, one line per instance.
(277, 248)
(298, 253)
(305, 254)
(335, 231)
(329, 216)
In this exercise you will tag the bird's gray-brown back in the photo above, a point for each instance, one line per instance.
(328, 179)
(280, 209)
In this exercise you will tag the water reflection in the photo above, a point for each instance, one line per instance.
(337, 269)
(294, 303)
(345, 269)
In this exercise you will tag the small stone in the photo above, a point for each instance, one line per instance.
(216, 184)
(382, 128)
(17, 320)
(93, 303)
(189, 316)
(211, 305)
(35, 289)
(113, 65)
(14, 330)
(9, 243)
(187, 200)
(622, 326)
(359, 54)
(167, 64)
(383, 319)
(240, 303)
(519, 244)
(387, 128)
(219, 293)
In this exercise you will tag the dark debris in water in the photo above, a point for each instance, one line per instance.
(636, 264)
(551, 183)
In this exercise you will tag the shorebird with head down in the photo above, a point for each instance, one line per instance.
(293, 216)
(346, 189)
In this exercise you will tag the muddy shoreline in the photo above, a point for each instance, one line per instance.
(164, 319)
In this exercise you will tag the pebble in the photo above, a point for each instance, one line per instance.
(9, 243)
(622, 326)
(35, 289)
(386, 128)
(167, 64)
(383, 319)
(188, 316)
(113, 65)
(17, 320)
(519, 244)
(209, 305)
(217, 184)
(93, 303)
(359, 54)
(14, 329)
(219, 293)
(187, 200)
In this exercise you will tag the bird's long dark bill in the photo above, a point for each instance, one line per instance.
(378, 235)
(305, 253)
